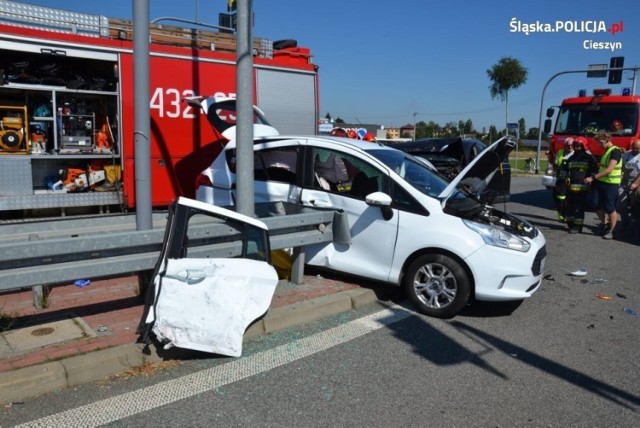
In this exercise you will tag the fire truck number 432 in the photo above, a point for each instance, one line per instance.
(168, 102)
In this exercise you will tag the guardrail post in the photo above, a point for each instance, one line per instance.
(39, 293)
(297, 267)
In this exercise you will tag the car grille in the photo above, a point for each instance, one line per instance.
(536, 267)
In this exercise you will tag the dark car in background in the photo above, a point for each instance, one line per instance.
(451, 155)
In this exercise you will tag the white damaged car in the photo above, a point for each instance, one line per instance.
(405, 225)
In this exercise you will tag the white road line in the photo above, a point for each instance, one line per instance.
(145, 399)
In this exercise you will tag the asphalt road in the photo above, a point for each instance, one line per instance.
(565, 357)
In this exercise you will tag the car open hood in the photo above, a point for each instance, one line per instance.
(221, 114)
(475, 177)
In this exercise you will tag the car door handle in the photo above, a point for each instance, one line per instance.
(190, 276)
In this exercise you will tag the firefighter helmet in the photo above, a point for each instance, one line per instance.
(369, 137)
(580, 141)
(338, 132)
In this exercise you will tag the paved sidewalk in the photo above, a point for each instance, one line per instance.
(88, 333)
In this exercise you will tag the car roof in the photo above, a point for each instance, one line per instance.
(343, 141)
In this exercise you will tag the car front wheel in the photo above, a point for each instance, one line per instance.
(438, 285)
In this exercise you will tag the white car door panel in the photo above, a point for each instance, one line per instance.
(271, 191)
(373, 238)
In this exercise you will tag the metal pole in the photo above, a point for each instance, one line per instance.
(142, 160)
(517, 144)
(244, 121)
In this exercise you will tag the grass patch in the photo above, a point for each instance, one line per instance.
(519, 164)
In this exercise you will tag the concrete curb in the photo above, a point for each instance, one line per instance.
(19, 384)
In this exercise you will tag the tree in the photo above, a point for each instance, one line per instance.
(433, 129)
(493, 134)
(450, 129)
(468, 127)
(339, 120)
(328, 117)
(508, 73)
(421, 130)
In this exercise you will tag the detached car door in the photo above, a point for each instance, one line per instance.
(212, 280)
(341, 180)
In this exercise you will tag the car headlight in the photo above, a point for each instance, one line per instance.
(498, 237)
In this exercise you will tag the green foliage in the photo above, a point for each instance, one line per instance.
(508, 73)
(522, 129)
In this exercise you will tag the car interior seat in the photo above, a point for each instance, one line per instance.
(332, 171)
(363, 185)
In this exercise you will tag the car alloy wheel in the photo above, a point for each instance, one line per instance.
(438, 285)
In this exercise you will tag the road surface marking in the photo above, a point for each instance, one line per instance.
(151, 397)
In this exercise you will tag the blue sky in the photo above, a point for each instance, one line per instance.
(381, 61)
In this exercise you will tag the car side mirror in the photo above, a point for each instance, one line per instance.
(550, 112)
(387, 213)
(382, 200)
(547, 126)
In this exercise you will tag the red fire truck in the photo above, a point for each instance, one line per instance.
(586, 114)
(67, 110)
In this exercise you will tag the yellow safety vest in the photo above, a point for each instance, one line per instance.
(558, 162)
(615, 176)
(559, 157)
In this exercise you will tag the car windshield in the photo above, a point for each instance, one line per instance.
(587, 119)
(412, 170)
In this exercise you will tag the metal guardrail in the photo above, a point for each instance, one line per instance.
(61, 251)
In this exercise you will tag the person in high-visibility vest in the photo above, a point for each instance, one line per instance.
(607, 180)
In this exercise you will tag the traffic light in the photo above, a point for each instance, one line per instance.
(228, 22)
(231, 5)
(615, 76)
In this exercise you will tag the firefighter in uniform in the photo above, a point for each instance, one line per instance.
(580, 165)
(560, 189)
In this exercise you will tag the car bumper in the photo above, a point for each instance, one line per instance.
(517, 276)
